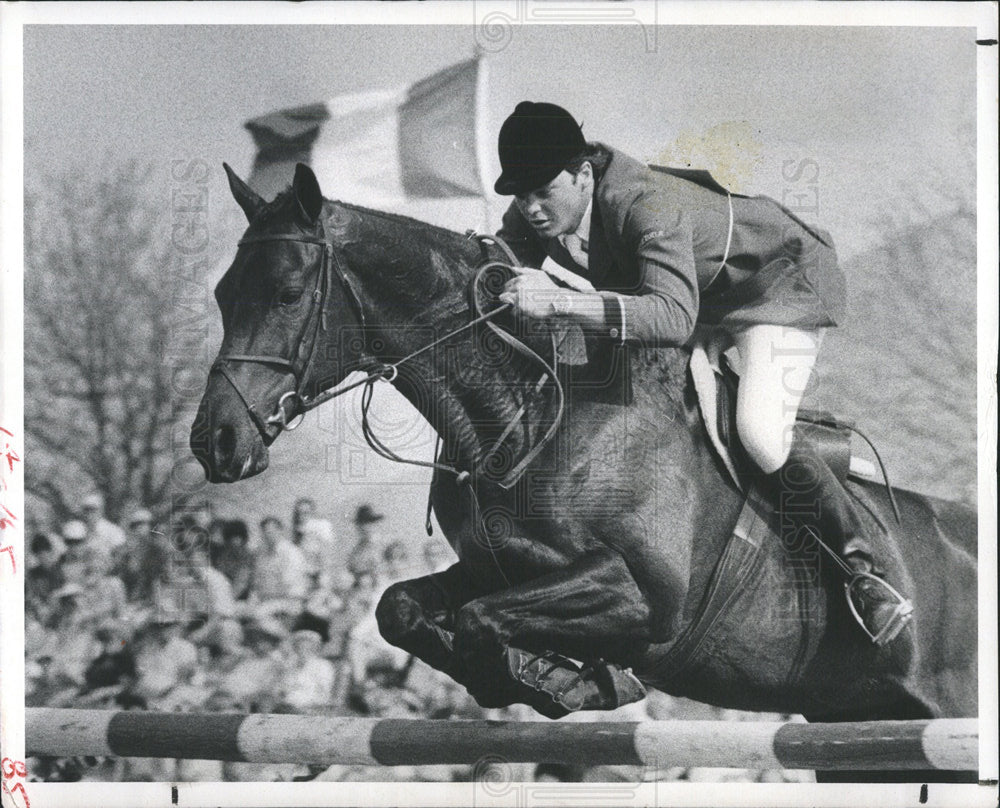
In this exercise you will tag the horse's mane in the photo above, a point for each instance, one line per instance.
(442, 233)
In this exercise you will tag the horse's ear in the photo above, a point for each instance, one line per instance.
(246, 197)
(307, 193)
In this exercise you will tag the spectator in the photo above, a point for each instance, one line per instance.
(303, 509)
(164, 658)
(114, 667)
(216, 541)
(143, 559)
(281, 568)
(44, 576)
(319, 548)
(221, 653)
(100, 594)
(396, 566)
(367, 652)
(104, 595)
(254, 680)
(202, 513)
(195, 589)
(72, 642)
(77, 559)
(308, 684)
(318, 611)
(235, 560)
(438, 556)
(196, 526)
(105, 536)
(363, 559)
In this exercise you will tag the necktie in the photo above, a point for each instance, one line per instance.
(577, 249)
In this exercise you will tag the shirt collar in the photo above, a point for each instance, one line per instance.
(583, 230)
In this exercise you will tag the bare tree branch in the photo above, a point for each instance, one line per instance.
(99, 267)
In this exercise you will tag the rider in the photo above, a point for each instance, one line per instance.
(664, 249)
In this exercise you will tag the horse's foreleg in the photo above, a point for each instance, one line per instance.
(418, 616)
(591, 610)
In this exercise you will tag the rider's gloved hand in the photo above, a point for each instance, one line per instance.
(531, 293)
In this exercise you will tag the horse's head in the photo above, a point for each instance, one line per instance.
(281, 301)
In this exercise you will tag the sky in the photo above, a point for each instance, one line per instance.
(876, 106)
(887, 114)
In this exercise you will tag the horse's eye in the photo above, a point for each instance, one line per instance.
(289, 297)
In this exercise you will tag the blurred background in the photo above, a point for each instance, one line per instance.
(867, 132)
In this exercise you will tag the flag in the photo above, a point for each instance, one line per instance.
(416, 149)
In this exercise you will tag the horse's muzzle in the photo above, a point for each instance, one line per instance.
(228, 449)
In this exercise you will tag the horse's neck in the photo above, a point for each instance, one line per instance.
(470, 403)
(417, 286)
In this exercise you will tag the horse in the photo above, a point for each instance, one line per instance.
(582, 576)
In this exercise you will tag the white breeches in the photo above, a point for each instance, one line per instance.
(776, 364)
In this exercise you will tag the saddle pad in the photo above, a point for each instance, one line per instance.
(705, 375)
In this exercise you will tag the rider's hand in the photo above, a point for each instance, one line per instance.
(531, 293)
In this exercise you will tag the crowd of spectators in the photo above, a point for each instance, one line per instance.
(205, 613)
(201, 613)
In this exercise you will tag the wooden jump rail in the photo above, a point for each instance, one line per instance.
(874, 745)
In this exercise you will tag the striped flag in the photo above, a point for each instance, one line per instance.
(417, 149)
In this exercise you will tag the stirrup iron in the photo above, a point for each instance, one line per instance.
(900, 617)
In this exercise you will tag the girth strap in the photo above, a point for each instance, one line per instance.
(736, 567)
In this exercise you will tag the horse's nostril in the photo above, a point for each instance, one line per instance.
(225, 443)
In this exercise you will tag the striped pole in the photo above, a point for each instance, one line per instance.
(872, 745)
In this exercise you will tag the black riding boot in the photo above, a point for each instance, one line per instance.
(809, 493)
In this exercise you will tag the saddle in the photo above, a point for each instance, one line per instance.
(716, 384)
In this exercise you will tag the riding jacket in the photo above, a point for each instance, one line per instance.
(669, 247)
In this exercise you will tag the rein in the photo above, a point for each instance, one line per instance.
(316, 325)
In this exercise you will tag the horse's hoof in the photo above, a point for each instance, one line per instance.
(601, 686)
(498, 695)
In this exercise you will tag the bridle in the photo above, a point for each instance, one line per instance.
(316, 323)
(300, 365)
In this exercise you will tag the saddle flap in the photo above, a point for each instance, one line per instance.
(717, 386)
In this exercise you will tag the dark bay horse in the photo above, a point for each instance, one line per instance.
(604, 549)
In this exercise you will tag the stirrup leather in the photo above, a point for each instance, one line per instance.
(900, 617)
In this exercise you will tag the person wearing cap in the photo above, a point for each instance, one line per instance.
(86, 566)
(364, 558)
(78, 558)
(644, 253)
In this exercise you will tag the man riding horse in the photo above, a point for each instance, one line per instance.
(663, 251)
